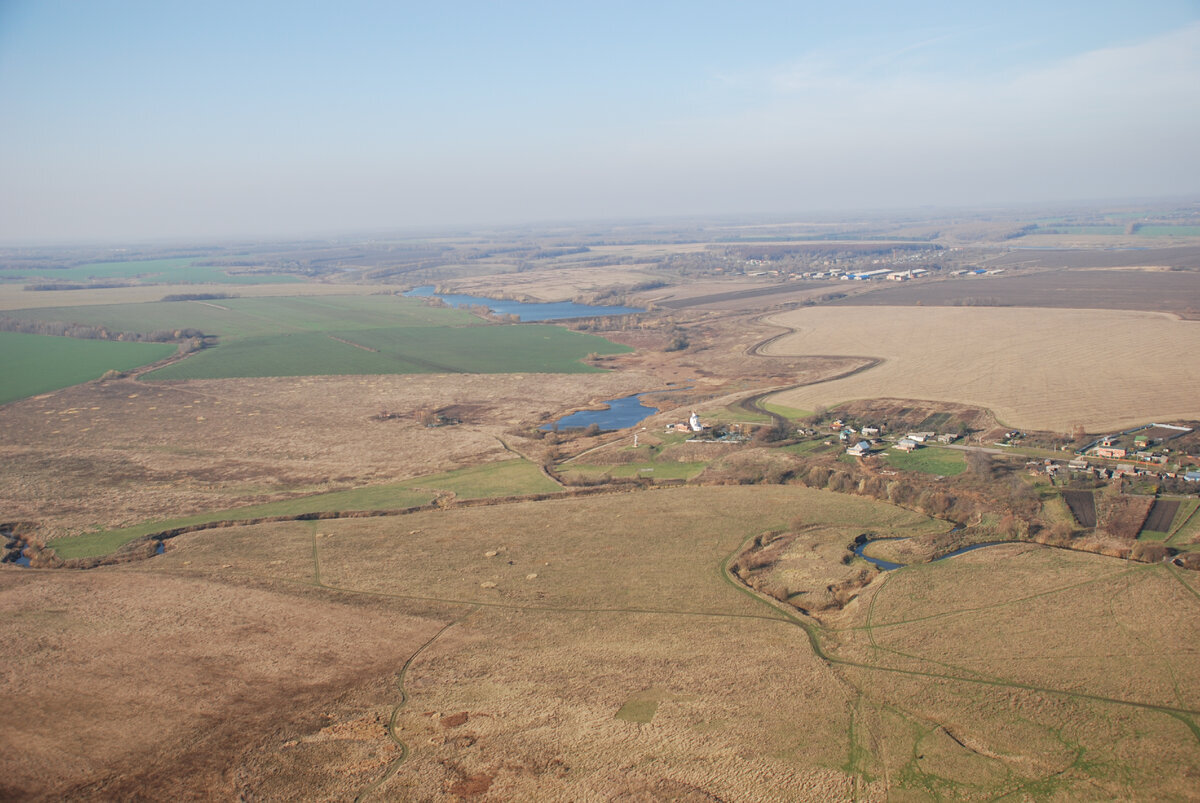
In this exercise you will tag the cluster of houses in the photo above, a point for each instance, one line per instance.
(845, 275)
(1141, 453)
(869, 439)
(1139, 447)
(1081, 466)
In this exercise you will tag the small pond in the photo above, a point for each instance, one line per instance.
(525, 311)
(619, 414)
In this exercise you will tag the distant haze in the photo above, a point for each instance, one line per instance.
(141, 119)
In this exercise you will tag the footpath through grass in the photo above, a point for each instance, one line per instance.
(33, 364)
(508, 478)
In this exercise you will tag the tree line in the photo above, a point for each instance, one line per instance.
(88, 332)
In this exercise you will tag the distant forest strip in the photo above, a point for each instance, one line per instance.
(85, 332)
(50, 286)
(198, 296)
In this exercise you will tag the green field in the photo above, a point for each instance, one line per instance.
(1186, 525)
(307, 337)
(666, 470)
(250, 317)
(928, 460)
(148, 271)
(508, 478)
(33, 364)
(473, 349)
(791, 413)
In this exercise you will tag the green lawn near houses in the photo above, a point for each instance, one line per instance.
(928, 460)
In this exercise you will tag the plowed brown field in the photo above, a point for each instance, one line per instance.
(1036, 369)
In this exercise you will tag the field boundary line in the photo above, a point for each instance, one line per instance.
(351, 343)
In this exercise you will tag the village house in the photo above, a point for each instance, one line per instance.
(906, 444)
(1110, 451)
(859, 449)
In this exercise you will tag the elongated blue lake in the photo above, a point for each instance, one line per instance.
(525, 311)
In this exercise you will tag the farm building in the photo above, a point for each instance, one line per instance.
(919, 437)
(1078, 464)
(949, 437)
(1110, 451)
(1192, 476)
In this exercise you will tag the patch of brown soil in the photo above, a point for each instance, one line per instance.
(184, 677)
(811, 570)
(117, 453)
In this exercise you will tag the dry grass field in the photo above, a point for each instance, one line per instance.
(593, 648)
(108, 454)
(552, 284)
(1017, 619)
(1036, 369)
(154, 685)
(1150, 290)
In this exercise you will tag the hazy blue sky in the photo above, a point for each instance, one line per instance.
(148, 119)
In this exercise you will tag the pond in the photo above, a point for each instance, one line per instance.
(619, 414)
(525, 311)
(13, 550)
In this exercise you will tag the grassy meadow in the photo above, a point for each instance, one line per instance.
(33, 364)
(967, 678)
(506, 478)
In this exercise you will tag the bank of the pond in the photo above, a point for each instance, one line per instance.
(887, 565)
